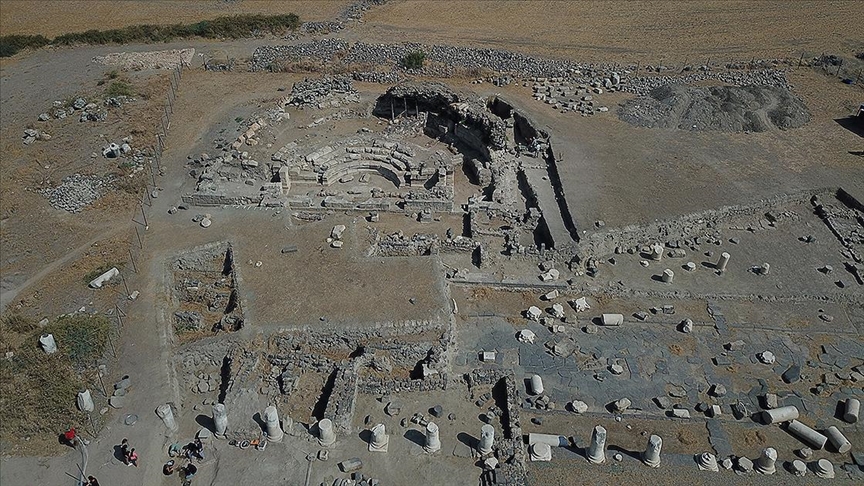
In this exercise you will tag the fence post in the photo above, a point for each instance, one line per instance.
(141, 203)
(132, 259)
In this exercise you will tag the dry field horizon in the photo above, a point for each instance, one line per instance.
(589, 30)
(54, 17)
(648, 30)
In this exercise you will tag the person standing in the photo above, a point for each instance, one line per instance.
(133, 458)
(70, 436)
(91, 481)
(124, 450)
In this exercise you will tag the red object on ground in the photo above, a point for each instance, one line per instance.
(69, 435)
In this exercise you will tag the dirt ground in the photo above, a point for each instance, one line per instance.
(46, 252)
(647, 31)
(52, 17)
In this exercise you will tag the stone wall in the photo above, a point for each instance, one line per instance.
(210, 200)
(695, 224)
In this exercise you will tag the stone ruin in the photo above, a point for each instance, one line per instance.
(501, 149)
(205, 290)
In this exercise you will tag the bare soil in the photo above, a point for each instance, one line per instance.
(54, 17)
(650, 31)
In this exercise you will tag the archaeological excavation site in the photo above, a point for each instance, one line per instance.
(338, 249)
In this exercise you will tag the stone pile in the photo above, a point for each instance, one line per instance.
(751, 108)
(355, 10)
(319, 28)
(76, 192)
(376, 77)
(316, 91)
(31, 135)
(444, 60)
(321, 49)
(136, 61)
(566, 96)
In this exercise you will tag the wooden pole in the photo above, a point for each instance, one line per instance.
(101, 382)
(111, 342)
(801, 60)
(125, 285)
(143, 214)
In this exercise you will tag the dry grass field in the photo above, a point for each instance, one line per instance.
(53, 17)
(649, 31)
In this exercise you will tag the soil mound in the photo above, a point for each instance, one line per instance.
(719, 108)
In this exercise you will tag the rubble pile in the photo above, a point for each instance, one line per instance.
(721, 108)
(77, 191)
(444, 61)
(314, 92)
(138, 61)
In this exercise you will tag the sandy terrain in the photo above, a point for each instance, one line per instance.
(51, 17)
(650, 31)
(608, 176)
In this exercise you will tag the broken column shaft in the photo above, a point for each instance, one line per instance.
(721, 263)
(766, 462)
(782, 414)
(536, 385)
(838, 440)
(651, 455)
(379, 440)
(220, 420)
(668, 276)
(167, 415)
(807, 435)
(487, 438)
(597, 449)
(326, 435)
(271, 421)
(433, 442)
(852, 410)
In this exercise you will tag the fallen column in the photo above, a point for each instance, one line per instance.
(551, 439)
(536, 385)
(807, 435)
(838, 440)
(84, 401)
(782, 414)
